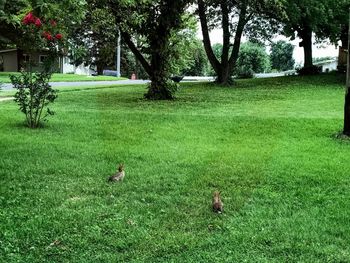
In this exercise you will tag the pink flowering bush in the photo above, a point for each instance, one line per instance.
(34, 92)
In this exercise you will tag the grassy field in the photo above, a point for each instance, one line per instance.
(267, 145)
(5, 77)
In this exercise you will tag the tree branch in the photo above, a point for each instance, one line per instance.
(127, 38)
(238, 37)
(206, 38)
(226, 33)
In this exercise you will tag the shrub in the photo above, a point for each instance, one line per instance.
(33, 90)
(245, 72)
(252, 58)
(33, 96)
(282, 56)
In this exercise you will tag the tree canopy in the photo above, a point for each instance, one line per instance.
(324, 18)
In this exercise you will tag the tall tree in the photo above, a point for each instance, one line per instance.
(234, 18)
(155, 21)
(302, 18)
(338, 27)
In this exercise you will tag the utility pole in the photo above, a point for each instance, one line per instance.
(118, 54)
(347, 93)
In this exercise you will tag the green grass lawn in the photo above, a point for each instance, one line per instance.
(5, 77)
(267, 145)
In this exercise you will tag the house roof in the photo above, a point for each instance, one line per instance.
(326, 62)
(8, 50)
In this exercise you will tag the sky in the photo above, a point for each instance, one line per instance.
(318, 51)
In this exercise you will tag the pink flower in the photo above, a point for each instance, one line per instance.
(53, 23)
(47, 35)
(58, 36)
(29, 19)
(38, 22)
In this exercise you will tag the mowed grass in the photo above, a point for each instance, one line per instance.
(267, 145)
(5, 77)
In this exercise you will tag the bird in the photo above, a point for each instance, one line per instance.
(119, 176)
(217, 203)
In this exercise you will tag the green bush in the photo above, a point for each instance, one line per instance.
(282, 56)
(252, 58)
(33, 95)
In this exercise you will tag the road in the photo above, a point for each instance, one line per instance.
(87, 83)
(135, 82)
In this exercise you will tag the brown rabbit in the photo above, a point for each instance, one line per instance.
(119, 176)
(217, 203)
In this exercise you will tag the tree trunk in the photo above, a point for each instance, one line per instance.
(160, 87)
(344, 37)
(139, 56)
(306, 36)
(99, 69)
(346, 130)
(224, 76)
(225, 68)
(215, 63)
(20, 63)
(243, 19)
(157, 70)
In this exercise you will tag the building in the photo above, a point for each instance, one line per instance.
(12, 60)
(9, 60)
(328, 65)
(67, 68)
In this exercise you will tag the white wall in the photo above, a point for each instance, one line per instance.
(79, 70)
(331, 66)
